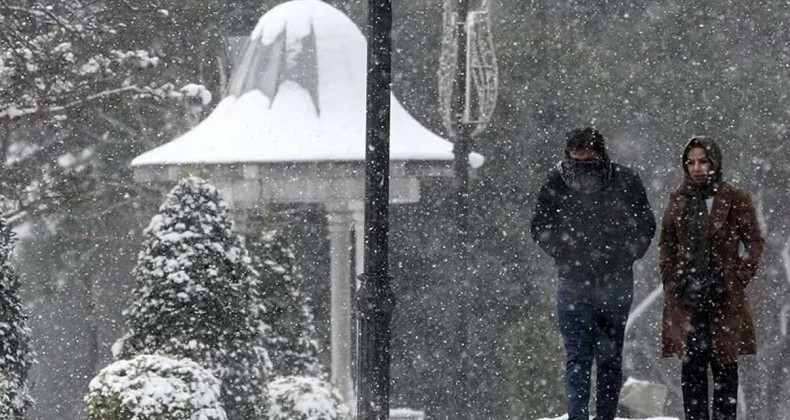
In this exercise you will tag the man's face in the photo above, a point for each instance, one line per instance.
(698, 165)
(584, 154)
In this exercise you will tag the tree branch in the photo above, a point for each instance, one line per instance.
(62, 108)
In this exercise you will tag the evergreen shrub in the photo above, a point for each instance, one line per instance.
(15, 358)
(291, 343)
(198, 297)
(6, 409)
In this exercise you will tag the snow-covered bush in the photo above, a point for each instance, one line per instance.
(151, 387)
(6, 409)
(304, 398)
(198, 297)
(291, 344)
(14, 334)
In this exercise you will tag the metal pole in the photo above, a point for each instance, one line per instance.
(461, 149)
(375, 299)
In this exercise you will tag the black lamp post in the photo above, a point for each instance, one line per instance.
(375, 300)
(461, 149)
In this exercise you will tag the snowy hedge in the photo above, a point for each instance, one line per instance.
(150, 387)
(304, 398)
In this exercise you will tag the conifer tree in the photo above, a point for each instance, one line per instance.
(14, 334)
(291, 344)
(197, 297)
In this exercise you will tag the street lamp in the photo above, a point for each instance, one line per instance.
(468, 84)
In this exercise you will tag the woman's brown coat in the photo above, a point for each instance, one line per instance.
(732, 221)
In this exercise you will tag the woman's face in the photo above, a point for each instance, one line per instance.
(698, 165)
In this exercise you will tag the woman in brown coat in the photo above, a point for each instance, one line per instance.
(707, 320)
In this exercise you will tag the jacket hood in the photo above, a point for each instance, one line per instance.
(585, 138)
(713, 152)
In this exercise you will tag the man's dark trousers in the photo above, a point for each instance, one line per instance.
(592, 313)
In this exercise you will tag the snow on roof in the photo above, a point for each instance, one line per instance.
(297, 95)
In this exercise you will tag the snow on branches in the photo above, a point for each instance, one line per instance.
(60, 55)
(292, 343)
(305, 398)
(154, 387)
(14, 334)
(6, 407)
(77, 77)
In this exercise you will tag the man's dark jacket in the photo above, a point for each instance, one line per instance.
(598, 233)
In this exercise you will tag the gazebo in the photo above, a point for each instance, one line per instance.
(291, 129)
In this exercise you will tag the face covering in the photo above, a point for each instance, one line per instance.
(586, 176)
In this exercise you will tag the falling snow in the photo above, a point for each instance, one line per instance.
(105, 105)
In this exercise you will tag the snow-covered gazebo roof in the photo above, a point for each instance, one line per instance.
(298, 95)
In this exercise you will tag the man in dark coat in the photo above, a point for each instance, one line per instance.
(594, 219)
(707, 320)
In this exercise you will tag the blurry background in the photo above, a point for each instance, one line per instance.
(86, 85)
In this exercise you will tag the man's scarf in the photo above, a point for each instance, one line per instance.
(586, 177)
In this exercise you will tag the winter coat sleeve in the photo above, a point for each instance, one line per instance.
(645, 222)
(545, 221)
(638, 225)
(748, 229)
(668, 245)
